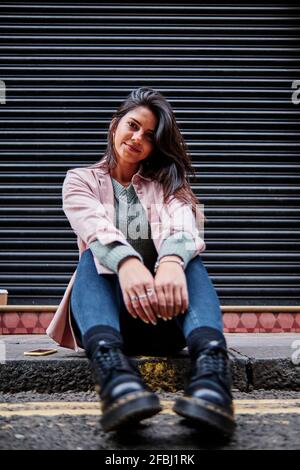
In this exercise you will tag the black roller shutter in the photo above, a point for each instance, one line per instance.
(226, 67)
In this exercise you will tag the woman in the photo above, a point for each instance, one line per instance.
(140, 286)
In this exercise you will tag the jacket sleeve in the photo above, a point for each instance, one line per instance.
(112, 254)
(179, 222)
(86, 213)
(178, 246)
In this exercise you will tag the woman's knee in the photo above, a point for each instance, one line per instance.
(86, 260)
(86, 256)
(196, 265)
(197, 274)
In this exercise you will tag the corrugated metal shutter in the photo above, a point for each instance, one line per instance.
(226, 68)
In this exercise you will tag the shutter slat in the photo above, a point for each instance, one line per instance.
(227, 70)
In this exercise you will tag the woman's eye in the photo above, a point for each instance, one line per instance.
(133, 124)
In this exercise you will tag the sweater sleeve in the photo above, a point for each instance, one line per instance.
(113, 253)
(183, 246)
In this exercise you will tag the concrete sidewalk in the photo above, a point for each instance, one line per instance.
(258, 360)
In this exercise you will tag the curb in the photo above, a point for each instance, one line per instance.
(258, 361)
(160, 373)
(49, 376)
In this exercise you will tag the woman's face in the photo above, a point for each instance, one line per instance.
(134, 136)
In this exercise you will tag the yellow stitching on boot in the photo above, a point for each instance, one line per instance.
(126, 399)
(208, 406)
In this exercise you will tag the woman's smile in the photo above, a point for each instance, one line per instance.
(133, 149)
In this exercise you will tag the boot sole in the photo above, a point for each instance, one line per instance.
(205, 413)
(131, 408)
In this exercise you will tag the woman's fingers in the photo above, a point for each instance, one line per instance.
(134, 308)
(149, 312)
(153, 301)
(128, 305)
(164, 296)
(184, 299)
(145, 306)
(170, 285)
(137, 285)
(162, 303)
(168, 291)
(140, 306)
(178, 302)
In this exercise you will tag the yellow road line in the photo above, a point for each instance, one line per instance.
(46, 408)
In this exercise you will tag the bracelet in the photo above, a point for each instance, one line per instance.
(168, 261)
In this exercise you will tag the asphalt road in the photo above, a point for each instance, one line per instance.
(265, 419)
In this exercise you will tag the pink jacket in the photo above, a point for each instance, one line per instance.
(88, 202)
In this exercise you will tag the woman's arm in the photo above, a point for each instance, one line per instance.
(183, 247)
(112, 254)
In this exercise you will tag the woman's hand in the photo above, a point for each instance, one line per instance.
(171, 289)
(134, 279)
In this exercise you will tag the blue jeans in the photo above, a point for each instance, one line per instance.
(97, 299)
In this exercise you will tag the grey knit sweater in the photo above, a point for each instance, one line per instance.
(126, 203)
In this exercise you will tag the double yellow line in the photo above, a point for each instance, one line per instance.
(75, 408)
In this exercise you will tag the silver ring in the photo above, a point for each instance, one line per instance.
(149, 292)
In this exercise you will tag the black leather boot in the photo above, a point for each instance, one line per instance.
(125, 398)
(207, 400)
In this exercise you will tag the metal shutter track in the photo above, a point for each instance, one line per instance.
(226, 68)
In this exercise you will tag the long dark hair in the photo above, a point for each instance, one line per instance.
(169, 162)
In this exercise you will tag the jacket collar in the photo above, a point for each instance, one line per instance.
(102, 166)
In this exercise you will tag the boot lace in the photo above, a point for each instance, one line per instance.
(111, 359)
(213, 362)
